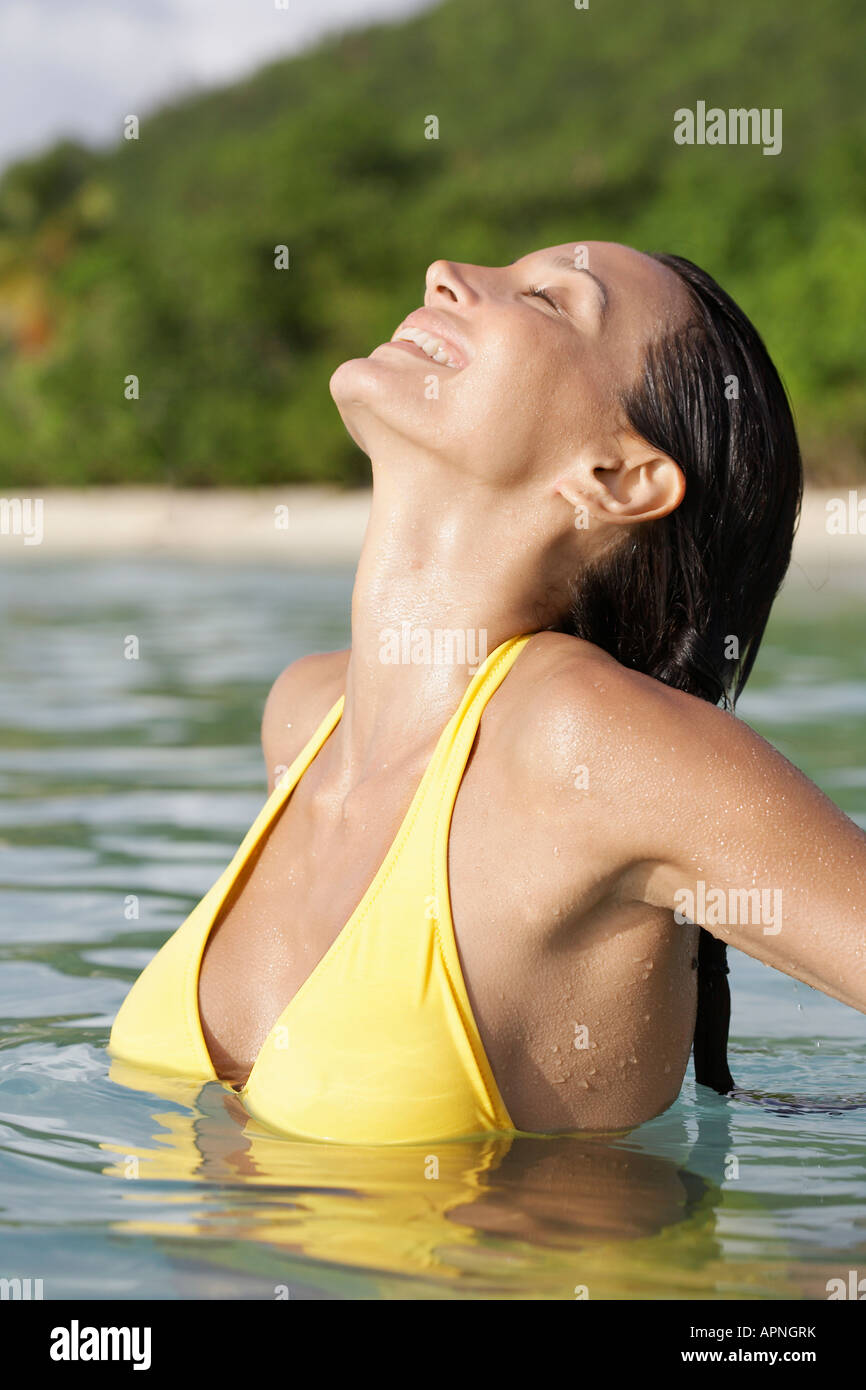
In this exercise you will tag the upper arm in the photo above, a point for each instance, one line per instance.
(726, 832)
(297, 703)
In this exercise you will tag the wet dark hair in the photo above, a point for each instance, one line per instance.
(670, 601)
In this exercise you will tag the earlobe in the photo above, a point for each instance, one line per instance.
(573, 496)
(576, 499)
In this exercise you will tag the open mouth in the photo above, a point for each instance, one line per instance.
(430, 334)
(430, 344)
(411, 347)
(415, 350)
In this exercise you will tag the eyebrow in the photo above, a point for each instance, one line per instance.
(584, 270)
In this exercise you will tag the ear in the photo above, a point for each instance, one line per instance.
(637, 483)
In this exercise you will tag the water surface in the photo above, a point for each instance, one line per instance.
(133, 781)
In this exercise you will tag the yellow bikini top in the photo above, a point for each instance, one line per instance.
(379, 1045)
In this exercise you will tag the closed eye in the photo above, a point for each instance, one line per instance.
(543, 294)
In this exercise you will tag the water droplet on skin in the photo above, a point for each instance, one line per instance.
(556, 1047)
(667, 1066)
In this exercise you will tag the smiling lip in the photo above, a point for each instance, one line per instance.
(438, 341)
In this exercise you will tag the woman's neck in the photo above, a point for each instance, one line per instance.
(438, 587)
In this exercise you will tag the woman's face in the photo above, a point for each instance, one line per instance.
(521, 381)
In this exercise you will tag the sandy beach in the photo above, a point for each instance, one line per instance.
(301, 525)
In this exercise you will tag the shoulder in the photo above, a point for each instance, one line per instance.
(574, 687)
(297, 702)
(575, 705)
(657, 769)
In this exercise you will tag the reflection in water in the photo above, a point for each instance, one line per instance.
(480, 1210)
(782, 1104)
(143, 781)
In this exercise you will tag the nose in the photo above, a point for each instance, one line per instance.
(447, 280)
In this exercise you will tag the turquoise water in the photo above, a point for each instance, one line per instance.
(140, 778)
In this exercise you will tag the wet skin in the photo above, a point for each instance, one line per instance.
(562, 882)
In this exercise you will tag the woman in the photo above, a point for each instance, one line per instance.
(469, 903)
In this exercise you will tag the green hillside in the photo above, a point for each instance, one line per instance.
(555, 124)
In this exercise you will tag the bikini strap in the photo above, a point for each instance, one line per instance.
(459, 735)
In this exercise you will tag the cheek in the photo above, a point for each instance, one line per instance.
(515, 376)
(504, 416)
(538, 393)
(496, 401)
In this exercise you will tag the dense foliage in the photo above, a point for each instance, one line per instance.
(555, 124)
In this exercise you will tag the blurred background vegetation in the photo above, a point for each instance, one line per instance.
(555, 124)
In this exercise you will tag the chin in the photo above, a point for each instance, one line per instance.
(362, 394)
(365, 382)
(380, 400)
(348, 379)
(368, 388)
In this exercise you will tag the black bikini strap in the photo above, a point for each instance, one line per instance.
(713, 1017)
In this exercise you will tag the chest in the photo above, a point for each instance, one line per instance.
(294, 897)
(548, 960)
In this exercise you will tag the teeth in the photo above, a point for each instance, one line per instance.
(434, 347)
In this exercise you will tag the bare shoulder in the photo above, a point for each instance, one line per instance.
(297, 702)
(658, 770)
(579, 713)
(573, 690)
